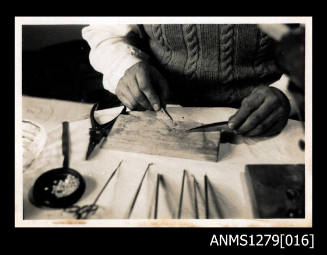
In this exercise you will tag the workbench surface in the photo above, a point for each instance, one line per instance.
(230, 199)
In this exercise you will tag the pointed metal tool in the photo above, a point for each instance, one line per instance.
(206, 196)
(156, 201)
(196, 208)
(180, 203)
(164, 110)
(138, 191)
(212, 127)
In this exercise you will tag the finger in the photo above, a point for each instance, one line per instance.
(277, 127)
(162, 86)
(144, 84)
(266, 124)
(256, 117)
(130, 98)
(125, 101)
(138, 95)
(249, 104)
(119, 94)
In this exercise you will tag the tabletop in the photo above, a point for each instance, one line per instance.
(229, 194)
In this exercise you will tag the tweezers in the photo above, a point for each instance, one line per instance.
(212, 127)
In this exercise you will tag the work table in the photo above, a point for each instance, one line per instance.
(226, 175)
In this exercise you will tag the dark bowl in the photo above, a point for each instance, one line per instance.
(43, 189)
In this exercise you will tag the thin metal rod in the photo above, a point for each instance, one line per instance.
(138, 191)
(206, 195)
(65, 143)
(86, 210)
(195, 198)
(111, 176)
(156, 197)
(179, 213)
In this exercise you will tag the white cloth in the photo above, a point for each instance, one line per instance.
(226, 176)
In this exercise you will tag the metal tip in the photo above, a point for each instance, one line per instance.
(191, 130)
(166, 112)
(89, 151)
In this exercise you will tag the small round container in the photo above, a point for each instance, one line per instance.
(58, 188)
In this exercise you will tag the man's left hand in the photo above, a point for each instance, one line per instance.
(263, 113)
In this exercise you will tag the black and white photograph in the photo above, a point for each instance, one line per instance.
(163, 122)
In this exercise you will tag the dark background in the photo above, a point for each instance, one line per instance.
(36, 37)
(56, 65)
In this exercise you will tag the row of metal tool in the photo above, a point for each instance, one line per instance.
(84, 212)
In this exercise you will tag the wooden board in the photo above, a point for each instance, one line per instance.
(153, 133)
(277, 191)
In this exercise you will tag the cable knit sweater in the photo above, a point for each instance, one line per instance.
(212, 60)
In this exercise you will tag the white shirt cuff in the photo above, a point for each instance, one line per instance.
(282, 85)
(111, 79)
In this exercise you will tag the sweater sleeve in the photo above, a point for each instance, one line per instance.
(110, 53)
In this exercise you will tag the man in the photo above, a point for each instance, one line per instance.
(228, 65)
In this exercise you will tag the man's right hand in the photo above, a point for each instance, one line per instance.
(142, 87)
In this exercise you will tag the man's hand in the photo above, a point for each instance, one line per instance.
(264, 112)
(142, 87)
